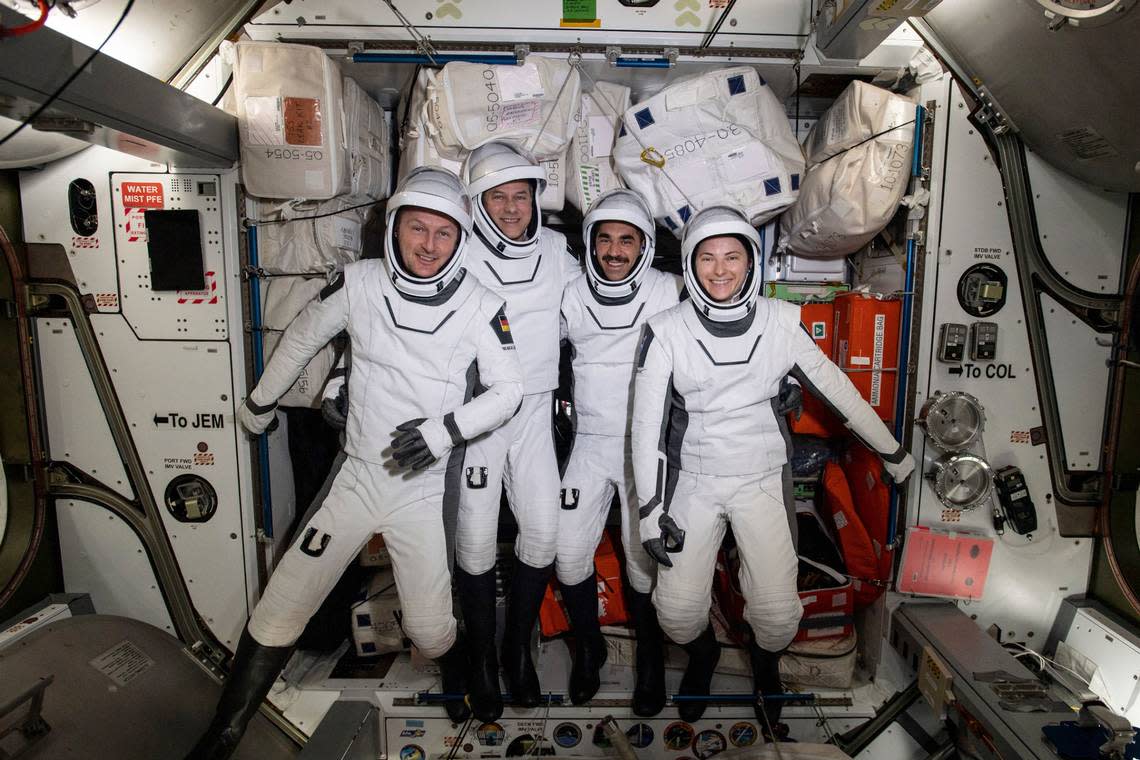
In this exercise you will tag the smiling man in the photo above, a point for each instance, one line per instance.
(709, 448)
(420, 330)
(528, 266)
(603, 314)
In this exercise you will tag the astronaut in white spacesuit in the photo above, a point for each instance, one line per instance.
(420, 328)
(528, 266)
(603, 313)
(709, 448)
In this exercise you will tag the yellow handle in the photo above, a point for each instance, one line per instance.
(652, 157)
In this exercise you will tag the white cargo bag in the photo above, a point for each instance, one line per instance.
(553, 196)
(590, 160)
(283, 299)
(417, 148)
(722, 138)
(290, 120)
(530, 106)
(311, 246)
(369, 154)
(376, 618)
(859, 158)
(821, 663)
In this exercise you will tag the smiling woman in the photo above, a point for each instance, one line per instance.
(722, 266)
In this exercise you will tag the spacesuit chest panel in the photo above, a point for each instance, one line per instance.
(604, 337)
(409, 359)
(726, 383)
(532, 287)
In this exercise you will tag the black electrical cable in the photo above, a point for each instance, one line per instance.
(67, 83)
(869, 139)
(313, 216)
(225, 87)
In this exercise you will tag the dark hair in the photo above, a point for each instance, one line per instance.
(372, 236)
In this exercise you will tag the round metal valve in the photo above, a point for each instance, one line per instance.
(954, 421)
(962, 481)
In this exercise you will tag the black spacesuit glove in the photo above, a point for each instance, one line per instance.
(672, 541)
(335, 410)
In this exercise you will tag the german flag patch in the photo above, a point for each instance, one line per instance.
(502, 327)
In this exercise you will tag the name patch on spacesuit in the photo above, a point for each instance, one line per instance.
(502, 328)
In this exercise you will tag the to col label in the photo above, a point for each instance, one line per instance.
(142, 195)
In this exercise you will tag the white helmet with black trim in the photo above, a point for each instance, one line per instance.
(489, 166)
(619, 206)
(437, 190)
(716, 221)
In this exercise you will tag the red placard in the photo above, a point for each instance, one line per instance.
(142, 195)
(938, 563)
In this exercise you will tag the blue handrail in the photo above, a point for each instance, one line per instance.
(902, 392)
(258, 368)
(423, 60)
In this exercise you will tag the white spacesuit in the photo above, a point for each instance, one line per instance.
(709, 449)
(528, 266)
(417, 343)
(602, 319)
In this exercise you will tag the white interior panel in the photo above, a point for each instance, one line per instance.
(1027, 578)
(178, 400)
(1080, 383)
(43, 199)
(77, 428)
(1082, 227)
(103, 557)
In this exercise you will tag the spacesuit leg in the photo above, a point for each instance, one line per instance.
(325, 547)
(309, 569)
(768, 568)
(414, 535)
(587, 491)
(532, 483)
(586, 494)
(640, 570)
(480, 493)
(684, 592)
(768, 563)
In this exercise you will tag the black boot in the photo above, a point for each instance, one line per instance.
(765, 681)
(704, 653)
(581, 602)
(527, 588)
(255, 668)
(453, 667)
(649, 688)
(477, 601)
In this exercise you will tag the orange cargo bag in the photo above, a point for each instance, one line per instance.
(867, 347)
(872, 497)
(611, 601)
(815, 418)
(854, 541)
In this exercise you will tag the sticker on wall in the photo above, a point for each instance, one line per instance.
(208, 295)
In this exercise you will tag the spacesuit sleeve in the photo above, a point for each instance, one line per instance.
(827, 382)
(500, 373)
(652, 399)
(315, 326)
